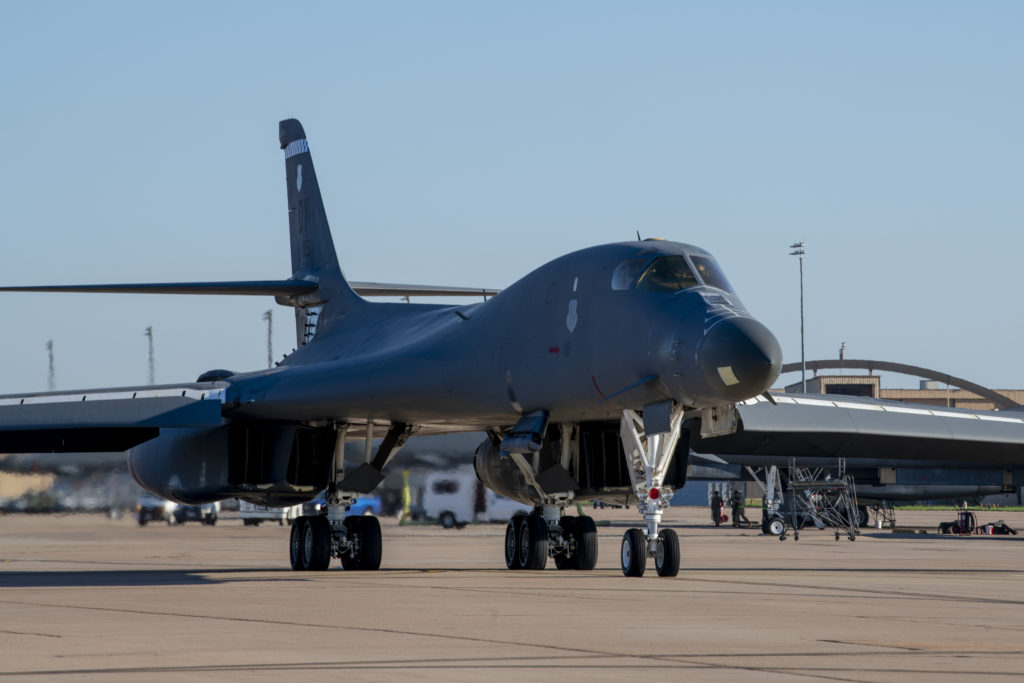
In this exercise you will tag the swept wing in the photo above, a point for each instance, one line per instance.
(283, 288)
(104, 419)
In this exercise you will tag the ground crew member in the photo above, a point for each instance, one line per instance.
(716, 508)
(738, 506)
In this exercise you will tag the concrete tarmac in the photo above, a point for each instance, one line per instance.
(83, 597)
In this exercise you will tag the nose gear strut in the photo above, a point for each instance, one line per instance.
(648, 456)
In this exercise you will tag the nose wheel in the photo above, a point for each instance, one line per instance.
(666, 559)
(634, 553)
(635, 550)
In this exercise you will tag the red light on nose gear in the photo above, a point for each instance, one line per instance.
(654, 493)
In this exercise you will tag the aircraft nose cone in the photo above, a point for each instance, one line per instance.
(739, 358)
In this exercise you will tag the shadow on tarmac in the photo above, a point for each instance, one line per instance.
(207, 577)
(134, 577)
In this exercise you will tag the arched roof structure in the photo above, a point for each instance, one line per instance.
(998, 399)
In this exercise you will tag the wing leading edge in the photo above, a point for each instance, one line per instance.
(285, 288)
(104, 420)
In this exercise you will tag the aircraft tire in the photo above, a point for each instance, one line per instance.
(447, 520)
(295, 545)
(562, 561)
(371, 544)
(634, 553)
(586, 543)
(533, 542)
(776, 527)
(512, 544)
(353, 526)
(316, 544)
(666, 562)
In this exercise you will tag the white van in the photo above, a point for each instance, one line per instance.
(456, 498)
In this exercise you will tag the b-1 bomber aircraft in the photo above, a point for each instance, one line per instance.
(591, 375)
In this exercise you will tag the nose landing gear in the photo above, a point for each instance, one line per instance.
(648, 457)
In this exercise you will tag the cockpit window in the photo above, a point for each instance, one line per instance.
(626, 272)
(710, 272)
(667, 274)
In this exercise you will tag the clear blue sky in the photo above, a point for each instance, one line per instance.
(466, 143)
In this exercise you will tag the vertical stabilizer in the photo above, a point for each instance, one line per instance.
(313, 254)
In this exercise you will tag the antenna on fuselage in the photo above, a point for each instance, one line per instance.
(638, 238)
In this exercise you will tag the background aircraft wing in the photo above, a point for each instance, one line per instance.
(105, 419)
(851, 427)
(241, 288)
(285, 288)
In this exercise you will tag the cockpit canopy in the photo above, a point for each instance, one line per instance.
(672, 273)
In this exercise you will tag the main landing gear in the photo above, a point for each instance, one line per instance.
(356, 541)
(316, 539)
(531, 539)
(648, 456)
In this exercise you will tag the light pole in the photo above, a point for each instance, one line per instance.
(52, 384)
(152, 359)
(269, 317)
(798, 250)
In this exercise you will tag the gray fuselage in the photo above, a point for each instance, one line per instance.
(560, 339)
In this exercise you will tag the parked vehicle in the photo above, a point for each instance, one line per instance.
(364, 505)
(254, 515)
(456, 498)
(206, 514)
(152, 508)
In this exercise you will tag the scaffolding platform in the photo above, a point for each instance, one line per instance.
(823, 496)
(795, 497)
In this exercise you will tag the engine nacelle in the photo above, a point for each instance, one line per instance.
(501, 475)
(600, 471)
(265, 464)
